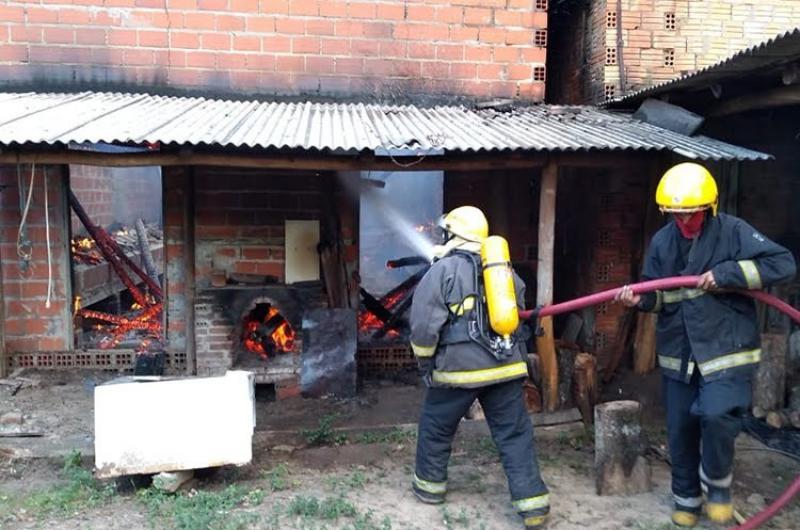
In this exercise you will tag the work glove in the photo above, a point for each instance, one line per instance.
(425, 367)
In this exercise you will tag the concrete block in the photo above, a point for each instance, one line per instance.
(172, 425)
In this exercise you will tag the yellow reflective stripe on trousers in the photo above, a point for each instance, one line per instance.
(532, 503)
(437, 488)
(534, 521)
(481, 376)
(751, 274)
(732, 360)
(423, 351)
(672, 297)
(462, 307)
(669, 363)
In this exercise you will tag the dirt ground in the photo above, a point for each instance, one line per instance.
(358, 483)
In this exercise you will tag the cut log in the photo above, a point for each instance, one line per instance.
(769, 382)
(644, 345)
(147, 255)
(620, 465)
(566, 367)
(584, 389)
(533, 398)
(475, 411)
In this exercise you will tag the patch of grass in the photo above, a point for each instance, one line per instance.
(354, 480)
(483, 446)
(324, 433)
(211, 510)
(277, 478)
(452, 520)
(328, 508)
(365, 521)
(395, 435)
(80, 491)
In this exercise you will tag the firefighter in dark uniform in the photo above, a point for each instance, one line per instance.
(707, 339)
(458, 370)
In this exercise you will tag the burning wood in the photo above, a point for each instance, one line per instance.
(384, 316)
(268, 334)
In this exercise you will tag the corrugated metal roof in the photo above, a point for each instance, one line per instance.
(62, 118)
(772, 53)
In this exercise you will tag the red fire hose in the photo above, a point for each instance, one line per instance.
(676, 283)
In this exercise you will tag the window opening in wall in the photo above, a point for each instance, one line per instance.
(611, 56)
(669, 21)
(117, 257)
(669, 57)
(541, 5)
(611, 19)
(538, 73)
(540, 38)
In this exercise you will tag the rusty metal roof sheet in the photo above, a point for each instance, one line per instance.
(772, 53)
(64, 118)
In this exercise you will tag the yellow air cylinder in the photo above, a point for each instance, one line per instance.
(498, 280)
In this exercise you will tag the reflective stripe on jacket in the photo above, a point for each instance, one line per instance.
(448, 288)
(713, 332)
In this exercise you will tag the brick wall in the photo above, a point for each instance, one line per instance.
(92, 186)
(664, 39)
(330, 47)
(177, 232)
(31, 326)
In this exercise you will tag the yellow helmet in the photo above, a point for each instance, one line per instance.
(687, 187)
(466, 222)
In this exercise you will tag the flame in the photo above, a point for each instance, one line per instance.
(282, 337)
(76, 306)
(368, 322)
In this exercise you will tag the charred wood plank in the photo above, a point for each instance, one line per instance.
(374, 306)
(144, 248)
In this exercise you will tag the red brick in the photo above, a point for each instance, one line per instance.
(155, 39)
(230, 61)
(182, 4)
(319, 27)
(328, 8)
(335, 46)
(74, 16)
(420, 13)
(464, 71)
(319, 65)
(290, 63)
(534, 55)
(477, 16)
(26, 34)
(364, 48)
(290, 26)
(421, 50)
(362, 10)
(260, 61)
(390, 12)
(429, 32)
(255, 253)
(230, 23)
(52, 344)
(277, 44)
(246, 43)
(349, 66)
(532, 91)
(303, 8)
(59, 35)
(449, 14)
(379, 67)
(508, 18)
(199, 21)
(185, 39)
(17, 14)
(13, 53)
(245, 6)
(377, 30)
(393, 49)
(150, 3)
(450, 52)
(260, 24)
(215, 41)
(278, 7)
(478, 53)
(287, 392)
(519, 72)
(437, 70)
(492, 35)
(271, 269)
(518, 37)
(305, 45)
(90, 36)
(212, 5)
(506, 54)
(489, 71)
(201, 59)
(462, 34)
(346, 28)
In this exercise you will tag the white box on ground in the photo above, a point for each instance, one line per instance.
(152, 426)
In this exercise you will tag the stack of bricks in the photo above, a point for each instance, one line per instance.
(480, 48)
(29, 325)
(664, 39)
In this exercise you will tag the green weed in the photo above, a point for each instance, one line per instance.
(277, 477)
(324, 433)
(365, 521)
(395, 435)
(211, 510)
(328, 508)
(354, 480)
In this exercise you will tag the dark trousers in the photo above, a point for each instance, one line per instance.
(703, 418)
(508, 420)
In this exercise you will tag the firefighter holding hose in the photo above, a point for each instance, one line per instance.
(462, 360)
(707, 339)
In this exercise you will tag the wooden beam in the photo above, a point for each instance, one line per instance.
(3, 359)
(189, 269)
(545, 344)
(776, 97)
(330, 162)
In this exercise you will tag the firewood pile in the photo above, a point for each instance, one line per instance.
(86, 252)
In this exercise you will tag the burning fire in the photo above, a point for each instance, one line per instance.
(259, 336)
(368, 322)
(85, 250)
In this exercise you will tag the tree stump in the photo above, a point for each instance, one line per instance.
(769, 382)
(584, 389)
(620, 465)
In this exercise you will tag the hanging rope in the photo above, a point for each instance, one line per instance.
(24, 248)
(47, 238)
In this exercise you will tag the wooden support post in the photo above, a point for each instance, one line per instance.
(189, 268)
(769, 383)
(545, 344)
(620, 465)
(3, 359)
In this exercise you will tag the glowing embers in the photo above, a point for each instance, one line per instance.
(266, 332)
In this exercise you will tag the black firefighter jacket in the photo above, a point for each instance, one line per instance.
(448, 291)
(713, 332)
